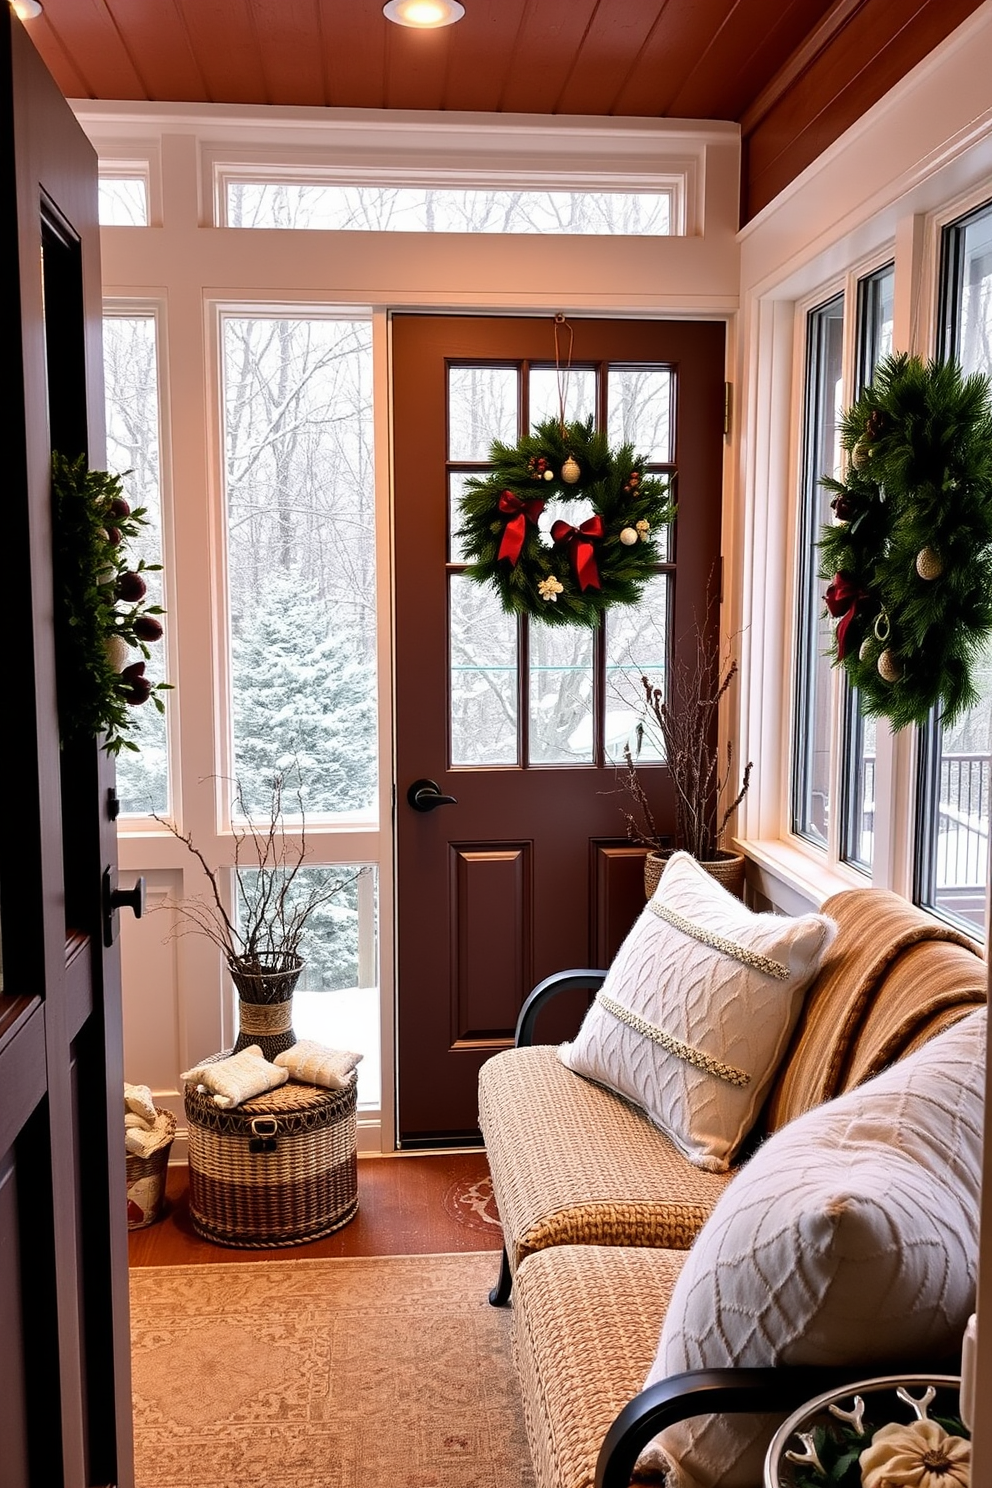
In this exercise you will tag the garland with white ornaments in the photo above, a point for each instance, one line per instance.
(564, 567)
(909, 555)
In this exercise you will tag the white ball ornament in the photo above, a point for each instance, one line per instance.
(628, 537)
(570, 471)
(549, 475)
(118, 652)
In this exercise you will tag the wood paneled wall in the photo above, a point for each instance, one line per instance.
(859, 51)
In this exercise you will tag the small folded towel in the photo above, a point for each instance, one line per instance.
(142, 1140)
(138, 1101)
(237, 1078)
(314, 1064)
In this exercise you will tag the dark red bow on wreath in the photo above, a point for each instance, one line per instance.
(580, 548)
(520, 513)
(842, 598)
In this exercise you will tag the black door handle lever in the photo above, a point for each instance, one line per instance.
(425, 795)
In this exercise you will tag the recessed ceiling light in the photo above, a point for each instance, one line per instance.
(426, 15)
(25, 10)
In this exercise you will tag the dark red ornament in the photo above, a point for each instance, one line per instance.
(147, 628)
(131, 587)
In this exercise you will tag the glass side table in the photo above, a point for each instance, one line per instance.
(809, 1446)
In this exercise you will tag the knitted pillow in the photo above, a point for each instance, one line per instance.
(313, 1063)
(237, 1078)
(851, 1237)
(697, 1009)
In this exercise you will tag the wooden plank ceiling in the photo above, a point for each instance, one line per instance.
(807, 66)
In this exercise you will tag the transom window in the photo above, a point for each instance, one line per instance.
(346, 207)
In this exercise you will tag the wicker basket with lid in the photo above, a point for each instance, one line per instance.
(280, 1169)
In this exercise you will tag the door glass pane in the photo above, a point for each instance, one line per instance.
(484, 672)
(561, 716)
(639, 411)
(578, 385)
(132, 411)
(456, 489)
(482, 406)
(636, 646)
(301, 558)
(821, 456)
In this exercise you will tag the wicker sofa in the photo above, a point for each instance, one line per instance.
(599, 1209)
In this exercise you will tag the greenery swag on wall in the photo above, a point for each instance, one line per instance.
(100, 608)
(909, 557)
(571, 574)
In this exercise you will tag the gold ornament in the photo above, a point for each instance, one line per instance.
(628, 537)
(920, 1455)
(549, 475)
(888, 667)
(570, 471)
(550, 588)
(882, 627)
(865, 649)
(643, 529)
(929, 564)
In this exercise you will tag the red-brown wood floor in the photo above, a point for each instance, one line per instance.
(423, 1205)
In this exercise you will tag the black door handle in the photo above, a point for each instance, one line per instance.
(115, 899)
(425, 795)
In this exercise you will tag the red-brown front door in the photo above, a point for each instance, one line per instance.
(527, 869)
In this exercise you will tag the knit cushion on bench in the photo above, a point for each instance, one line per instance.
(574, 1164)
(851, 1237)
(697, 1011)
(586, 1320)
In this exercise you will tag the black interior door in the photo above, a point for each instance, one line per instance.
(64, 1347)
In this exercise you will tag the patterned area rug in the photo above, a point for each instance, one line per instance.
(380, 1372)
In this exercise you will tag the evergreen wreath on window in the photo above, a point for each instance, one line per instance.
(909, 556)
(566, 573)
(101, 616)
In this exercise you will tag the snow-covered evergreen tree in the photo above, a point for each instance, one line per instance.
(302, 692)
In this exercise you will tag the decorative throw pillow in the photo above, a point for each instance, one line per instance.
(696, 1011)
(237, 1078)
(851, 1237)
(314, 1064)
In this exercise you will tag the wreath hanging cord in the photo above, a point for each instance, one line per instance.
(909, 555)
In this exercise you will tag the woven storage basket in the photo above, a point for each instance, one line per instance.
(146, 1180)
(280, 1169)
(727, 868)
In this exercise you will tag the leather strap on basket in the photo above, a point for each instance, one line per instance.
(720, 943)
(686, 1052)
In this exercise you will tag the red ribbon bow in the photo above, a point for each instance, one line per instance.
(842, 598)
(520, 513)
(581, 550)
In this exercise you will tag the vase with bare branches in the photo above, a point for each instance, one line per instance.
(682, 723)
(261, 936)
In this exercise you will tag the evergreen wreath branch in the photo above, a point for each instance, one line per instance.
(909, 556)
(533, 575)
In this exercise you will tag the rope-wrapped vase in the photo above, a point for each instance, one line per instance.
(727, 868)
(265, 984)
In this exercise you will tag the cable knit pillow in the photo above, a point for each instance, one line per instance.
(696, 1012)
(313, 1063)
(237, 1078)
(851, 1237)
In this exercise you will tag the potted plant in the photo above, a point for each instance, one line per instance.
(682, 722)
(262, 936)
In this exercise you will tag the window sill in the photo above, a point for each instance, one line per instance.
(794, 881)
